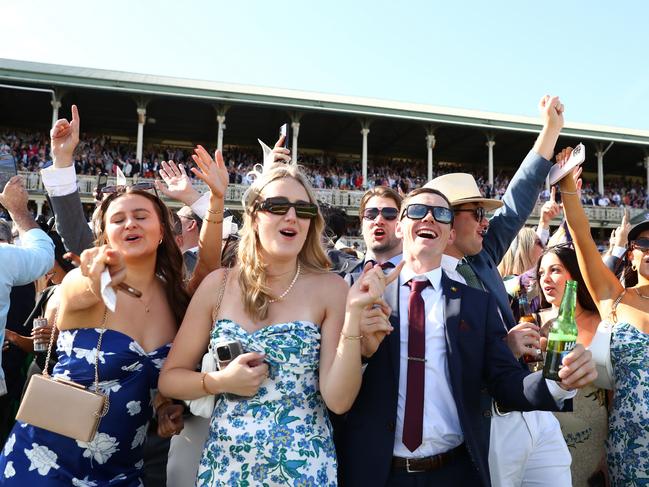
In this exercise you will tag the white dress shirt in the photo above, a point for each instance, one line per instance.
(441, 428)
(449, 264)
(62, 181)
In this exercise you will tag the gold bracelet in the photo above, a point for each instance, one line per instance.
(203, 375)
(350, 337)
(213, 221)
(215, 212)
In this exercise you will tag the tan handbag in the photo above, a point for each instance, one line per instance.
(62, 406)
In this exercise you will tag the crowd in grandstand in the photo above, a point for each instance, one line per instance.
(262, 353)
(101, 155)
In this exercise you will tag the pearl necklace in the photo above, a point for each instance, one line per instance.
(288, 289)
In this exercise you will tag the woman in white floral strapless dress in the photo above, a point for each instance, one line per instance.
(628, 437)
(301, 344)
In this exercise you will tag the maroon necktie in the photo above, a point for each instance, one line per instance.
(414, 416)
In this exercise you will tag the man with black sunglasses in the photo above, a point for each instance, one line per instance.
(379, 212)
(417, 420)
(472, 258)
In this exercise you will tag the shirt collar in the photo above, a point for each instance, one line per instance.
(433, 276)
(395, 260)
(450, 262)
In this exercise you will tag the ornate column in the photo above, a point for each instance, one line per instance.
(430, 145)
(141, 119)
(490, 146)
(365, 130)
(295, 129)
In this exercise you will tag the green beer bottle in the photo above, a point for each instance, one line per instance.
(563, 333)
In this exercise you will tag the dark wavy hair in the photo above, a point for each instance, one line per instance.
(169, 260)
(568, 258)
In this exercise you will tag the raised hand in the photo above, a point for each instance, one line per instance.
(95, 260)
(212, 173)
(176, 184)
(374, 327)
(370, 286)
(550, 209)
(281, 154)
(14, 196)
(552, 110)
(64, 138)
(622, 232)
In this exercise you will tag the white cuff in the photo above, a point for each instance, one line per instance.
(618, 251)
(59, 181)
(544, 235)
(558, 393)
(199, 207)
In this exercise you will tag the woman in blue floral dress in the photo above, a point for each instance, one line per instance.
(628, 439)
(301, 344)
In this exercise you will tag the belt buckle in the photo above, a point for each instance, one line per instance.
(409, 470)
(497, 410)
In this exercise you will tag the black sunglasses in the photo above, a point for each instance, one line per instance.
(144, 186)
(280, 206)
(641, 244)
(478, 213)
(417, 211)
(388, 213)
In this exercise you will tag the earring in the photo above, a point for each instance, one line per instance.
(634, 268)
(160, 242)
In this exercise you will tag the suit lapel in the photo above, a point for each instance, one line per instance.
(453, 300)
(394, 341)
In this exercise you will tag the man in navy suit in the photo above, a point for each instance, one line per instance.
(417, 418)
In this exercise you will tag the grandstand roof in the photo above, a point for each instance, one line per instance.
(236, 93)
(181, 109)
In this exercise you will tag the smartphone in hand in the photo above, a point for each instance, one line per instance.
(284, 130)
(8, 169)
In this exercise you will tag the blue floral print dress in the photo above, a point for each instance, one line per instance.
(282, 435)
(628, 438)
(36, 457)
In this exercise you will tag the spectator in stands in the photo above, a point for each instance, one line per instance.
(628, 308)
(20, 265)
(540, 454)
(379, 211)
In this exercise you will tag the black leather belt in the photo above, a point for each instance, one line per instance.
(425, 464)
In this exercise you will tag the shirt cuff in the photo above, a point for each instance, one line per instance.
(199, 207)
(558, 393)
(59, 181)
(618, 251)
(544, 235)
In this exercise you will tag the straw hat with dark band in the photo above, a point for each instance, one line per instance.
(461, 188)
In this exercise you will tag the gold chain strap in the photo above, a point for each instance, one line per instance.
(613, 313)
(219, 300)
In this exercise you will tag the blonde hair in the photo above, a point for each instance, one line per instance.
(518, 258)
(252, 276)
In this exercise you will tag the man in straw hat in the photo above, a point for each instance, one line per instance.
(541, 454)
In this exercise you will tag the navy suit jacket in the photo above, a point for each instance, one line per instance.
(476, 354)
(519, 201)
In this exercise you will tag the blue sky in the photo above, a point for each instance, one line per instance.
(499, 56)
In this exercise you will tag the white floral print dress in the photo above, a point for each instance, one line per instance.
(129, 375)
(282, 435)
(628, 436)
